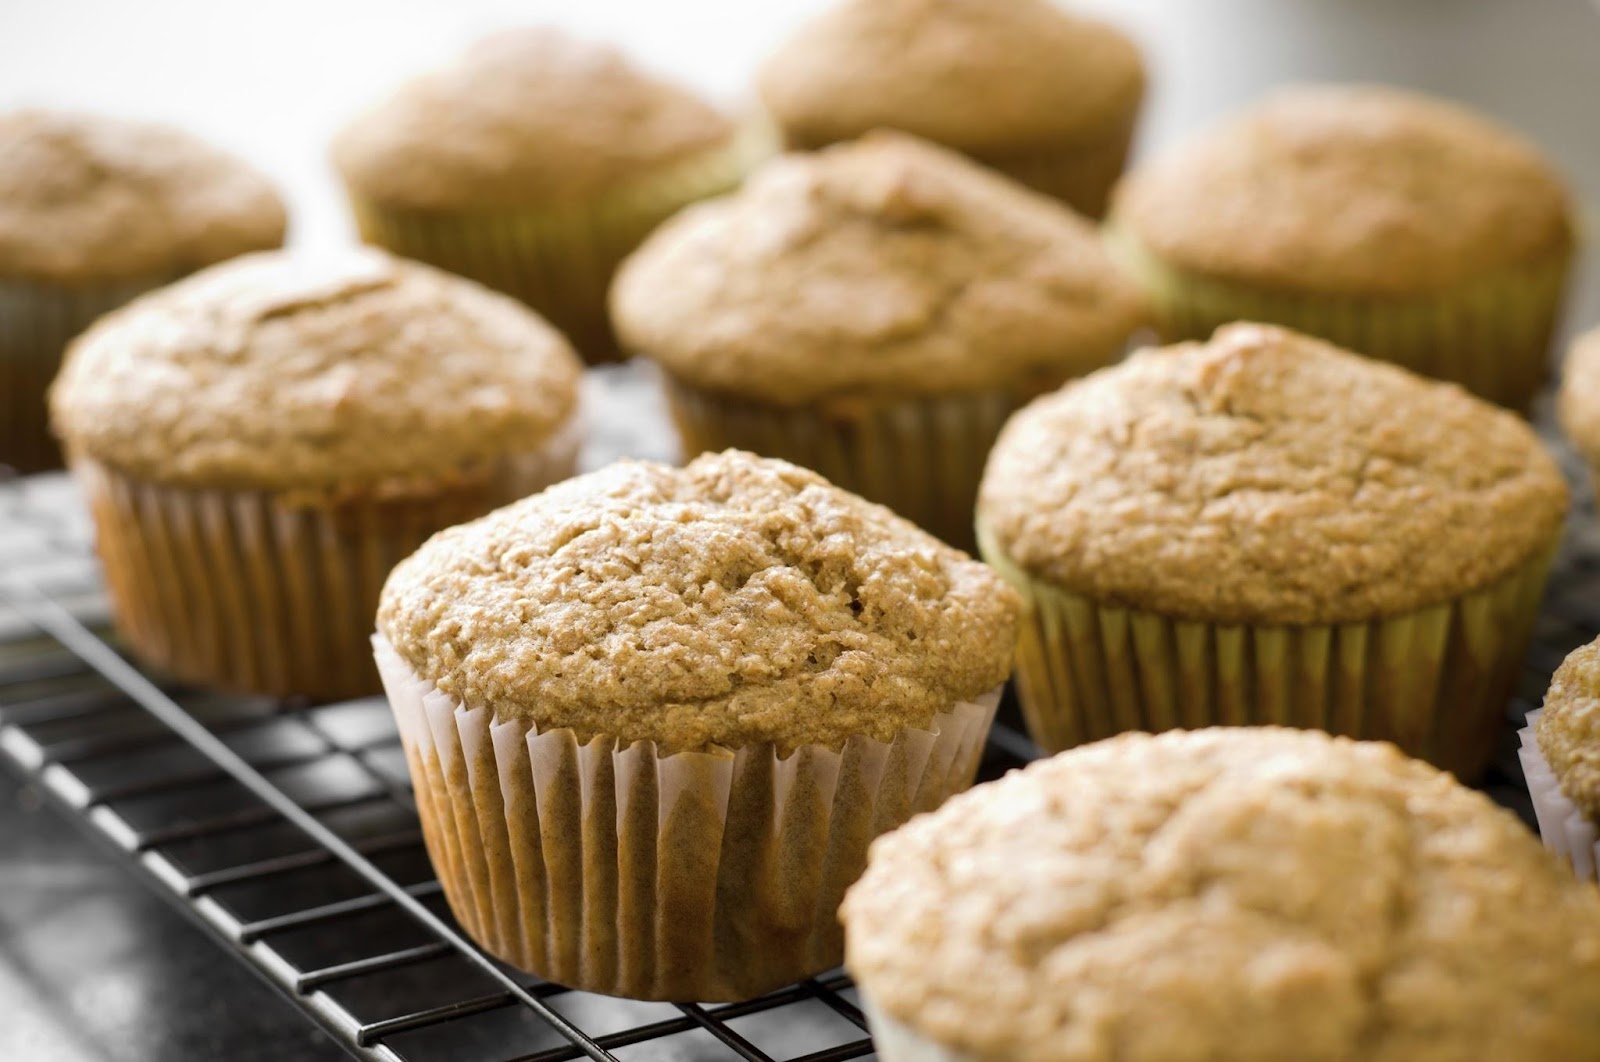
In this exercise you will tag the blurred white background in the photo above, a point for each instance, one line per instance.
(273, 80)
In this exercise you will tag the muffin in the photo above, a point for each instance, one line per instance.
(262, 442)
(1561, 759)
(533, 164)
(1020, 85)
(1401, 227)
(1267, 529)
(654, 716)
(1251, 893)
(94, 211)
(873, 311)
(1579, 399)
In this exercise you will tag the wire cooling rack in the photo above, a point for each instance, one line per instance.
(287, 829)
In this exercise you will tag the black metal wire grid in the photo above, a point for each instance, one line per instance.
(287, 829)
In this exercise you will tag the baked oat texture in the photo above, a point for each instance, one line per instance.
(277, 372)
(1265, 477)
(526, 117)
(1568, 729)
(1350, 190)
(1253, 893)
(885, 266)
(87, 199)
(986, 76)
(1579, 400)
(736, 601)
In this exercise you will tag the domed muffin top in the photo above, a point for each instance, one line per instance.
(87, 199)
(1579, 401)
(735, 601)
(1245, 893)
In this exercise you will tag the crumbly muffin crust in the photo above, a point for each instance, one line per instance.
(1568, 729)
(978, 75)
(1579, 400)
(887, 266)
(1350, 190)
(277, 372)
(523, 118)
(1249, 893)
(87, 199)
(736, 601)
(1266, 477)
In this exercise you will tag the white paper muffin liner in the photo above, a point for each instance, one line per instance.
(1566, 830)
(898, 1042)
(690, 876)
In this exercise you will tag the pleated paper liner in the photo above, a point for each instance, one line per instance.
(922, 457)
(1081, 175)
(37, 321)
(1492, 337)
(266, 593)
(1566, 830)
(1435, 682)
(692, 876)
(560, 259)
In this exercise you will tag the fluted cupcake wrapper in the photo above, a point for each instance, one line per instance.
(687, 876)
(1435, 681)
(922, 457)
(257, 591)
(1492, 337)
(1566, 830)
(1081, 175)
(37, 321)
(560, 260)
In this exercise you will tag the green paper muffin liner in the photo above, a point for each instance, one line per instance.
(690, 876)
(1492, 337)
(1435, 681)
(37, 321)
(268, 593)
(1081, 175)
(560, 259)
(922, 457)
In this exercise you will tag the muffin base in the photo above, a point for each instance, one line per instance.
(922, 457)
(37, 321)
(692, 876)
(1434, 681)
(898, 1042)
(266, 593)
(560, 259)
(1566, 830)
(1492, 337)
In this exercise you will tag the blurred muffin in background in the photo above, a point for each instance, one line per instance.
(873, 311)
(1402, 227)
(1043, 95)
(533, 163)
(261, 442)
(1579, 401)
(93, 211)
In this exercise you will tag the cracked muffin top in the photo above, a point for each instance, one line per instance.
(89, 199)
(735, 601)
(277, 372)
(1568, 730)
(1249, 893)
(883, 266)
(1265, 477)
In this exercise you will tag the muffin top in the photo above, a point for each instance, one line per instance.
(276, 372)
(885, 265)
(988, 76)
(736, 601)
(1266, 477)
(522, 118)
(1349, 190)
(1579, 401)
(1569, 728)
(89, 199)
(1248, 893)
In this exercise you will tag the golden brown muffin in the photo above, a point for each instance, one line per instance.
(93, 211)
(1045, 95)
(1273, 486)
(732, 676)
(848, 291)
(1401, 226)
(533, 163)
(1238, 893)
(1568, 729)
(1579, 403)
(261, 442)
